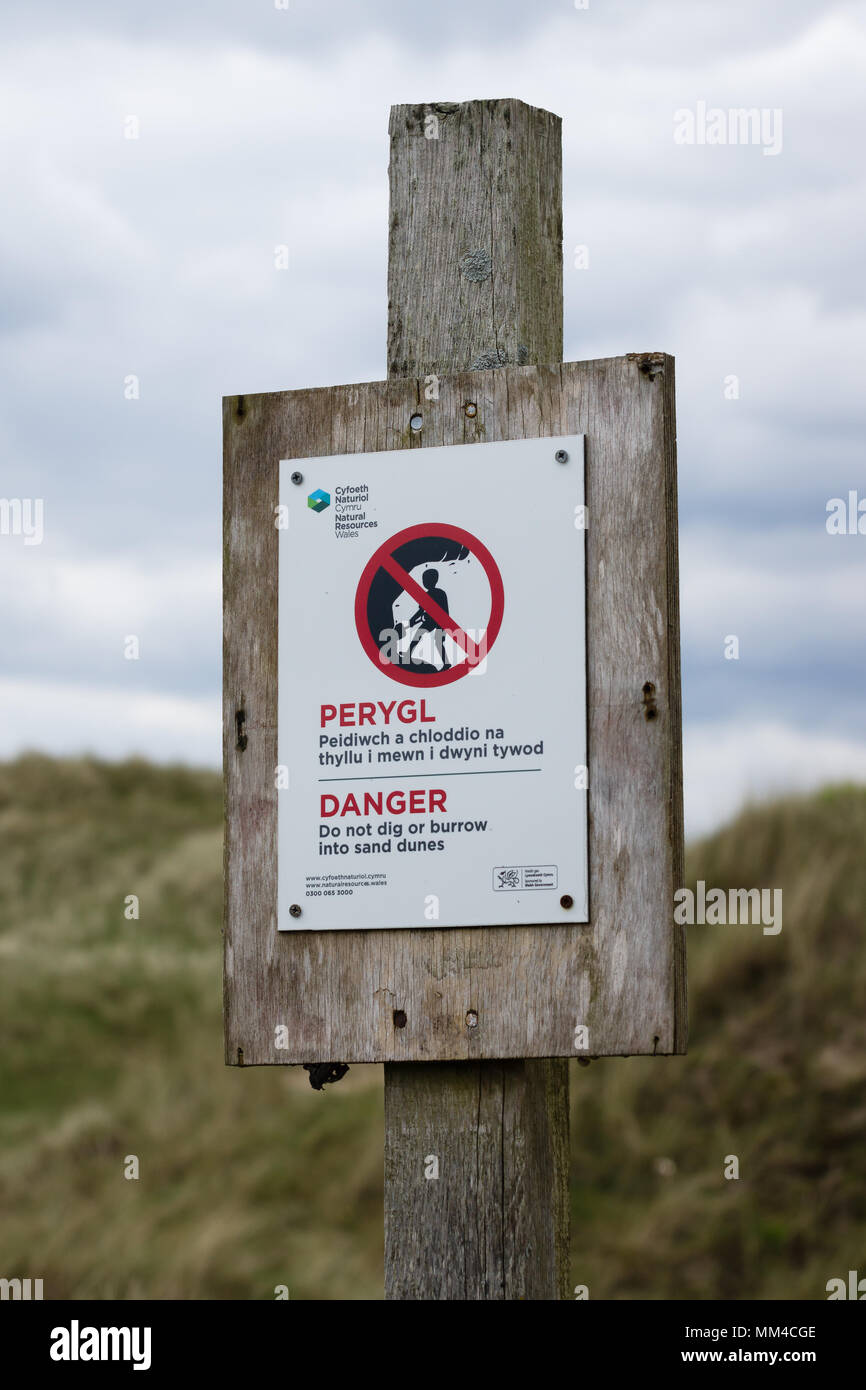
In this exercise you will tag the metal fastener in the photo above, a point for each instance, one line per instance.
(294, 910)
(561, 456)
(566, 901)
(415, 423)
(297, 477)
(470, 409)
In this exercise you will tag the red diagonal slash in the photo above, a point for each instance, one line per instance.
(431, 607)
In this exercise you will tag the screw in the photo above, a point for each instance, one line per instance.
(566, 901)
(294, 910)
(649, 701)
(470, 409)
(415, 423)
(472, 1019)
(297, 477)
(561, 456)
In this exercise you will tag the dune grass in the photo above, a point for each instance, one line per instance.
(112, 1046)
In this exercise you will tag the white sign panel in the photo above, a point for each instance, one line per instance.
(432, 688)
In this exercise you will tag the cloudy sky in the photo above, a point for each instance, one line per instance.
(260, 126)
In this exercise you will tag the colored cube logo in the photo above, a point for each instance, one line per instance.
(319, 500)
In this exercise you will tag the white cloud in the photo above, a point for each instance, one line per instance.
(726, 764)
(68, 720)
(796, 590)
(68, 615)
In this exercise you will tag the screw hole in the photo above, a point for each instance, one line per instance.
(241, 726)
(399, 1018)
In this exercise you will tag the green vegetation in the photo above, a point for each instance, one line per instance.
(775, 1075)
(112, 1045)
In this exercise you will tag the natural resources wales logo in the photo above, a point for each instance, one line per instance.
(319, 500)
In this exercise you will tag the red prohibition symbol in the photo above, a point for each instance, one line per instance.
(387, 577)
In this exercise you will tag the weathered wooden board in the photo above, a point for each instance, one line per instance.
(622, 975)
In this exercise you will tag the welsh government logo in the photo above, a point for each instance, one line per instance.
(319, 500)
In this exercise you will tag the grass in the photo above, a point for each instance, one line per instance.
(775, 1076)
(112, 1047)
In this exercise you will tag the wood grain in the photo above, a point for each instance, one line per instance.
(475, 237)
(622, 975)
(498, 1133)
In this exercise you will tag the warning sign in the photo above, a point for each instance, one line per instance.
(414, 601)
(432, 688)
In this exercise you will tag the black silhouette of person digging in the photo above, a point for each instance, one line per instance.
(425, 623)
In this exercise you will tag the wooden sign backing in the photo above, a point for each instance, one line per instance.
(448, 994)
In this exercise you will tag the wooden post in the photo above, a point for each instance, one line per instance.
(475, 281)
(473, 1023)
